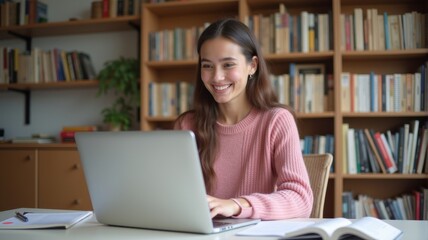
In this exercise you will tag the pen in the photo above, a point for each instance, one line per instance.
(21, 217)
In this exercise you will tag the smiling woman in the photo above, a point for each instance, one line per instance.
(224, 72)
(248, 142)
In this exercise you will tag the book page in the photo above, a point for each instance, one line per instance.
(45, 220)
(273, 228)
(324, 228)
(369, 228)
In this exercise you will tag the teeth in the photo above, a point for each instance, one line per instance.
(221, 87)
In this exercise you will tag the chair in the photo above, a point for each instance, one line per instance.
(318, 167)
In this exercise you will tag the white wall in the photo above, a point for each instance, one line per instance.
(53, 109)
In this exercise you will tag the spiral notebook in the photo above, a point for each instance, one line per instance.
(46, 220)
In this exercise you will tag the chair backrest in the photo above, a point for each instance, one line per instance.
(318, 167)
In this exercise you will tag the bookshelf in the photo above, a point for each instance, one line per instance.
(45, 170)
(187, 14)
(28, 32)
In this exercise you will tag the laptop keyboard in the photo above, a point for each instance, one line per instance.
(220, 223)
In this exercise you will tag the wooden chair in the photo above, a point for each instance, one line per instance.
(318, 166)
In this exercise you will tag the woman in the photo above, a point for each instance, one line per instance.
(248, 142)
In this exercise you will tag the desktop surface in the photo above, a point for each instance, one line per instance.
(92, 230)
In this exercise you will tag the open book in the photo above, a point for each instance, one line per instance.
(46, 220)
(337, 228)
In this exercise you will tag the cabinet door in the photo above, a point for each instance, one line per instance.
(17, 179)
(61, 183)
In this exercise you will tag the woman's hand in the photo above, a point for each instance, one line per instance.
(224, 207)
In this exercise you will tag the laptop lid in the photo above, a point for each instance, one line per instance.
(147, 180)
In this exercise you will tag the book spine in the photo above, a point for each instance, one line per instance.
(388, 162)
(106, 9)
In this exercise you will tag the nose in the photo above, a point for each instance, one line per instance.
(218, 74)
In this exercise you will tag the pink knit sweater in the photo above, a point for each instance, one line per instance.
(259, 154)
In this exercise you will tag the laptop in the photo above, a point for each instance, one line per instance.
(149, 180)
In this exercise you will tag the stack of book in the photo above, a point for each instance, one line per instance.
(68, 132)
(35, 138)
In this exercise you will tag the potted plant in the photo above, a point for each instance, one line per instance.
(122, 77)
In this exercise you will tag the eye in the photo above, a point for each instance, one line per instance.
(229, 65)
(206, 65)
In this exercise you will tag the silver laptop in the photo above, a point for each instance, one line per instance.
(148, 180)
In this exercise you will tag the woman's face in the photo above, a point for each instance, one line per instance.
(224, 70)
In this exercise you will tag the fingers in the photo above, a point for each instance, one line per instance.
(224, 207)
(213, 206)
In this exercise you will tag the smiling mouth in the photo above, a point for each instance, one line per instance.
(223, 87)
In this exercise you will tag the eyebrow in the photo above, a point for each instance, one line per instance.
(221, 60)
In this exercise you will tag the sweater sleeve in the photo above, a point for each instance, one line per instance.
(293, 197)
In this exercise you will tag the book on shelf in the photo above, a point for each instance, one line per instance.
(336, 228)
(41, 220)
(318, 144)
(402, 151)
(175, 44)
(351, 152)
(21, 12)
(305, 82)
(113, 6)
(385, 151)
(282, 32)
(169, 99)
(41, 12)
(33, 140)
(398, 92)
(39, 66)
(68, 132)
(118, 8)
(422, 153)
(412, 205)
(378, 30)
(80, 128)
(345, 92)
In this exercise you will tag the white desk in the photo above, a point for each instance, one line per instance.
(91, 229)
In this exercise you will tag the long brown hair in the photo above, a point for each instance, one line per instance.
(205, 109)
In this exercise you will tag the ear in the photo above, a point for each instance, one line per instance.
(254, 64)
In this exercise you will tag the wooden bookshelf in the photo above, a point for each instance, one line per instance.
(170, 15)
(27, 32)
(83, 26)
(51, 85)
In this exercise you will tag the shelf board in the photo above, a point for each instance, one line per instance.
(385, 114)
(365, 2)
(84, 26)
(257, 4)
(178, 8)
(315, 115)
(38, 145)
(52, 85)
(380, 176)
(311, 56)
(172, 64)
(389, 54)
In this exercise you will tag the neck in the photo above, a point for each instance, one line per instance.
(233, 113)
